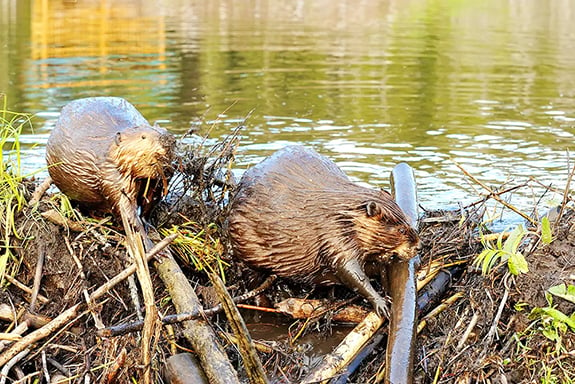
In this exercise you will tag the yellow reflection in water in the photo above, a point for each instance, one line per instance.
(99, 29)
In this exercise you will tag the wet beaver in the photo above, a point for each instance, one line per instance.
(299, 216)
(102, 151)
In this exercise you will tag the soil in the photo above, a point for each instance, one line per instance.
(486, 336)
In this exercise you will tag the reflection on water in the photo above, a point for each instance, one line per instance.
(370, 83)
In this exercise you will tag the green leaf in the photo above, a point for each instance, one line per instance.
(564, 291)
(546, 233)
(551, 334)
(487, 258)
(556, 315)
(512, 243)
(517, 264)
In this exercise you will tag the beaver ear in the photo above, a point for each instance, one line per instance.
(118, 138)
(372, 208)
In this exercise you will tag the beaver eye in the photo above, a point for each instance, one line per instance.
(402, 230)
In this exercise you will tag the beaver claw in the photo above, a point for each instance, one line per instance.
(381, 306)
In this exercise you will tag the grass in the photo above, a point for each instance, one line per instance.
(199, 247)
(11, 190)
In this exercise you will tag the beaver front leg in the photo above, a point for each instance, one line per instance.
(352, 275)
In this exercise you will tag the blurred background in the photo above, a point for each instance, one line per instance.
(490, 84)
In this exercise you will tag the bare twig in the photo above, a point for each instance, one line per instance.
(181, 317)
(468, 331)
(19, 285)
(565, 195)
(493, 329)
(495, 195)
(498, 193)
(37, 279)
(9, 364)
(40, 190)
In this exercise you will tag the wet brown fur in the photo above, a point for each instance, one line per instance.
(298, 215)
(102, 149)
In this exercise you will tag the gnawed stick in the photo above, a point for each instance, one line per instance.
(252, 363)
(308, 308)
(135, 238)
(198, 332)
(346, 350)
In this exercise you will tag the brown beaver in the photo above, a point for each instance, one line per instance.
(299, 216)
(102, 150)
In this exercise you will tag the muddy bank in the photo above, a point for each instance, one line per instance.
(488, 332)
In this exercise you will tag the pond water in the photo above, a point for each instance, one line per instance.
(487, 84)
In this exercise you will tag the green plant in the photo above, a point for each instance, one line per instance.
(11, 193)
(198, 246)
(508, 250)
(554, 323)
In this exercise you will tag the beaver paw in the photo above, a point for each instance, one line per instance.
(381, 306)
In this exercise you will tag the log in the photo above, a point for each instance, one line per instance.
(198, 332)
(403, 289)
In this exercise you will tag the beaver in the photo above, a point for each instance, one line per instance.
(296, 214)
(103, 150)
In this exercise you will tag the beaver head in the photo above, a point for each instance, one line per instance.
(144, 155)
(143, 152)
(382, 231)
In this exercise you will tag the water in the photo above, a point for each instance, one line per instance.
(489, 85)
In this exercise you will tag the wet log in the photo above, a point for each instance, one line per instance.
(403, 289)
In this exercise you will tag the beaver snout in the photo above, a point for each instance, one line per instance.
(406, 251)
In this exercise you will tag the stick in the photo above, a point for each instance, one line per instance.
(68, 315)
(467, 332)
(252, 363)
(346, 350)
(37, 279)
(495, 195)
(23, 287)
(8, 365)
(40, 190)
(565, 195)
(181, 317)
(493, 329)
(135, 238)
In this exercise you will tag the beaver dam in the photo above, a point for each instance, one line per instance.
(492, 308)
